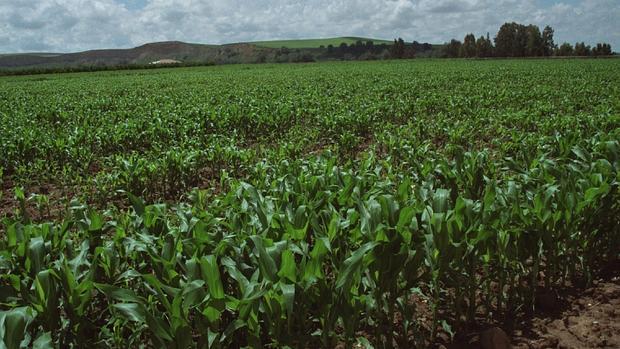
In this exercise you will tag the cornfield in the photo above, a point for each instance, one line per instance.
(359, 205)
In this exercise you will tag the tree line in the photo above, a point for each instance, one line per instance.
(359, 50)
(518, 40)
(370, 50)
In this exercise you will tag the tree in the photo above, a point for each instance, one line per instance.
(468, 49)
(517, 40)
(565, 49)
(410, 51)
(506, 40)
(534, 44)
(421, 47)
(452, 49)
(581, 49)
(547, 41)
(484, 47)
(519, 46)
(503, 40)
(602, 49)
(398, 49)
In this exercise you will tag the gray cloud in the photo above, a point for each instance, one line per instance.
(73, 25)
(454, 6)
(19, 22)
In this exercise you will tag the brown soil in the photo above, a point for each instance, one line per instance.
(591, 320)
(571, 318)
(58, 201)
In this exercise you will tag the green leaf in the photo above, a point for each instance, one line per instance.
(362, 342)
(137, 203)
(266, 263)
(288, 268)
(235, 273)
(211, 337)
(211, 273)
(44, 341)
(118, 294)
(288, 291)
(352, 266)
(232, 328)
(212, 314)
(441, 200)
(194, 294)
(36, 255)
(13, 324)
(132, 311)
(159, 327)
(96, 221)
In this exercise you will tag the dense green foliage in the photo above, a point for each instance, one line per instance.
(518, 40)
(354, 200)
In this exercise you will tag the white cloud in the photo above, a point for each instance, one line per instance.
(72, 25)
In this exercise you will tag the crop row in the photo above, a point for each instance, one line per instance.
(317, 253)
(156, 133)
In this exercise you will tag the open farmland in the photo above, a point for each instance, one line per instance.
(398, 203)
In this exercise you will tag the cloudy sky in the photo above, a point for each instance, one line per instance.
(75, 25)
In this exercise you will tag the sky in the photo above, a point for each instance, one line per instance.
(77, 25)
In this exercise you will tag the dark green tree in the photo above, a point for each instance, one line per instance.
(452, 49)
(398, 48)
(513, 40)
(534, 44)
(581, 49)
(505, 40)
(468, 49)
(602, 49)
(564, 50)
(547, 41)
(484, 47)
(519, 46)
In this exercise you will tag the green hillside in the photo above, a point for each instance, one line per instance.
(315, 43)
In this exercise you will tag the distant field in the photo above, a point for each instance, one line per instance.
(315, 43)
(302, 205)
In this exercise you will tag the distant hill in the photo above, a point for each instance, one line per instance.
(277, 51)
(173, 50)
(316, 43)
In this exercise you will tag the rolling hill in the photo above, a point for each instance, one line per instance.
(176, 50)
(276, 51)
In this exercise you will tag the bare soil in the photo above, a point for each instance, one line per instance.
(591, 320)
(55, 208)
(571, 318)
